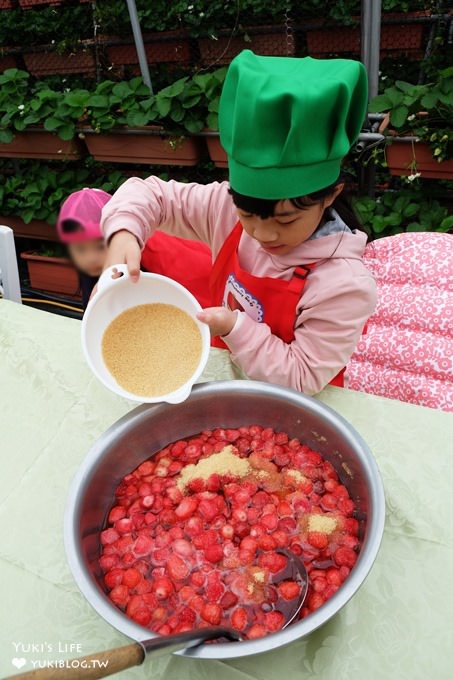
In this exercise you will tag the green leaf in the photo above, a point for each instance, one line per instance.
(52, 124)
(163, 106)
(66, 132)
(212, 121)
(137, 118)
(411, 210)
(378, 224)
(190, 102)
(416, 226)
(398, 115)
(193, 125)
(429, 101)
(380, 103)
(403, 85)
(446, 224)
(6, 136)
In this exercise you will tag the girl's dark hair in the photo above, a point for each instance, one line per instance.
(265, 208)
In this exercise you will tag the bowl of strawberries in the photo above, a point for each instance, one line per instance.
(182, 516)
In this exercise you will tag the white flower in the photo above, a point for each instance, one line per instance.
(411, 178)
(411, 117)
(21, 107)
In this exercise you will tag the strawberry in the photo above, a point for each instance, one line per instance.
(318, 540)
(187, 507)
(113, 578)
(213, 553)
(119, 595)
(131, 577)
(273, 561)
(228, 600)
(239, 618)
(109, 536)
(345, 556)
(177, 568)
(274, 620)
(162, 588)
(256, 631)
(288, 590)
(212, 613)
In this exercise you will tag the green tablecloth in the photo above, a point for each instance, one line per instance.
(398, 626)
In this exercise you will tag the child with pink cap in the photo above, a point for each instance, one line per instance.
(78, 226)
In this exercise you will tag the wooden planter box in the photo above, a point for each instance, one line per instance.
(144, 148)
(168, 47)
(28, 4)
(8, 61)
(270, 42)
(52, 274)
(42, 145)
(216, 151)
(51, 63)
(35, 229)
(6, 4)
(401, 36)
(407, 157)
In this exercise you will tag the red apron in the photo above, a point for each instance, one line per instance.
(187, 262)
(264, 299)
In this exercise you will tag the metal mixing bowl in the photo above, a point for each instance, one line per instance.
(230, 404)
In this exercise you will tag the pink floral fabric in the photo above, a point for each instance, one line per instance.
(407, 350)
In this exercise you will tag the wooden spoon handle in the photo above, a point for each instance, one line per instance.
(97, 665)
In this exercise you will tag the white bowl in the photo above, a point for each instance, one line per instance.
(114, 296)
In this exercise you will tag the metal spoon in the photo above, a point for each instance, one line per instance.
(102, 664)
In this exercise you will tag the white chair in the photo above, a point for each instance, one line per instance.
(9, 273)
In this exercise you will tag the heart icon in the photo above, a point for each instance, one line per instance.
(18, 662)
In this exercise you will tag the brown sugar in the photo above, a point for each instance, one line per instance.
(225, 462)
(325, 525)
(152, 349)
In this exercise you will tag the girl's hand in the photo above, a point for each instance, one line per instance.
(123, 248)
(219, 319)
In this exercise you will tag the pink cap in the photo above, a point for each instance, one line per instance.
(85, 207)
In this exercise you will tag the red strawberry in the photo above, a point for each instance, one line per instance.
(119, 595)
(197, 485)
(131, 577)
(273, 621)
(256, 631)
(186, 508)
(288, 590)
(213, 553)
(228, 600)
(273, 561)
(162, 588)
(318, 540)
(109, 536)
(212, 613)
(239, 618)
(113, 578)
(345, 556)
(177, 567)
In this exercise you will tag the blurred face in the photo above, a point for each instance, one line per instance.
(288, 227)
(88, 256)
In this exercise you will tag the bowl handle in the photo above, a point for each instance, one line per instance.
(106, 279)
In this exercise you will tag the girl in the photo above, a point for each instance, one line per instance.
(289, 290)
(78, 226)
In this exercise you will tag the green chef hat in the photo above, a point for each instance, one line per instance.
(286, 123)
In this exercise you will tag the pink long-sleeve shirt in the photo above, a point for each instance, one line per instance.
(338, 298)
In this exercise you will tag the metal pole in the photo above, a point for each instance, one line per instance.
(139, 46)
(370, 42)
